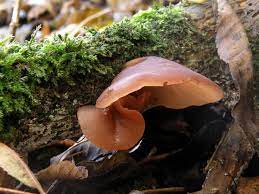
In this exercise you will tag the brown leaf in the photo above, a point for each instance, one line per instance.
(237, 147)
(233, 48)
(41, 7)
(125, 8)
(110, 167)
(6, 5)
(248, 185)
(15, 166)
(101, 174)
(5, 179)
(232, 42)
(64, 170)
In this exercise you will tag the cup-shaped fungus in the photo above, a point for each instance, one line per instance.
(116, 122)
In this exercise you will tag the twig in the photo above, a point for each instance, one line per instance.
(6, 190)
(15, 17)
(154, 158)
(51, 187)
(90, 18)
(165, 190)
(158, 157)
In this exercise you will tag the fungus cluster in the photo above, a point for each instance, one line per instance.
(116, 121)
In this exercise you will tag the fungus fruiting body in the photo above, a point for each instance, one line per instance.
(116, 122)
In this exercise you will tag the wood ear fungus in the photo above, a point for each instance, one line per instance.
(116, 122)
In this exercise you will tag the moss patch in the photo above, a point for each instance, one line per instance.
(39, 78)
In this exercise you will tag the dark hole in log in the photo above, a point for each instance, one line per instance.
(169, 129)
(253, 167)
(194, 131)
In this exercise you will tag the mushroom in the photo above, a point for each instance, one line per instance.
(116, 122)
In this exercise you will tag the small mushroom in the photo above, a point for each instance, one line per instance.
(116, 122)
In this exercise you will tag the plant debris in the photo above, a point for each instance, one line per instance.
(15, 166)
(64, 170)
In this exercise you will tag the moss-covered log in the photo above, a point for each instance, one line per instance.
(43, 83)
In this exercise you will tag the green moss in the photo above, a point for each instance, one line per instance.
(61, 64)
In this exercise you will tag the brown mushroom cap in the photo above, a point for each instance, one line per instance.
(116, 122)
(181, 87)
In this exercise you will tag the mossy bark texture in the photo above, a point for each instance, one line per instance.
(43, 83)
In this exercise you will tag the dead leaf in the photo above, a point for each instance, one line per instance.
(6, 5)
(5, 179)
(73, 20)
(125, 5)
(110, 166)
(41, 7)
(101, 173)
(233, 48)
(232, 42)
(15, 166)
(248, 185)
(125, 8)
(64, 170)
(88, 21)
(237, 147)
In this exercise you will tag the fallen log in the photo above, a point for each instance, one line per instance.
(47, 81)
(61, 74)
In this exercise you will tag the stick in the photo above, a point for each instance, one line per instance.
(15, 17)
(164, 190)
(6, 190)
(158, 157)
